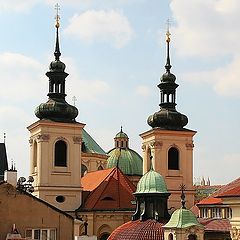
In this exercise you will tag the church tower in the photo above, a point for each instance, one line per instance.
(55, 143)
(170, 144)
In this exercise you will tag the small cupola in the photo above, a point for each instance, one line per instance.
(121, 140)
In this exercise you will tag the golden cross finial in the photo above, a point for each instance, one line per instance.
(57, 8)
(168, 34)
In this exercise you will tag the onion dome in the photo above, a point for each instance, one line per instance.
(56, 108)
(137, 230)
(152, 182)
(129, 161)
(168, 117)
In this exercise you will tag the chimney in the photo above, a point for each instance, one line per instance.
(10, 176)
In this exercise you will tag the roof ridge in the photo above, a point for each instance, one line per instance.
(114, 169)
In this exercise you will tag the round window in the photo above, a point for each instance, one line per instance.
(60, 199)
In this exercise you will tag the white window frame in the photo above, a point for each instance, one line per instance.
(41, 230)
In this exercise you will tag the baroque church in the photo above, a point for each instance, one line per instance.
(73, 173)
(116, 194)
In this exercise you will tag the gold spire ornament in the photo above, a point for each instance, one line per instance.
(168, 34)
(57, 8)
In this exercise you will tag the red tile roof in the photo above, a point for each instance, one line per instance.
(210, 200)
(137, 230)
(93, 179)
(216, 225)
(110, 190)
(235, 192)
(231, 189)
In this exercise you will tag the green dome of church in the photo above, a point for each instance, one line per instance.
(182, 218)
(152, 182)
(129, 161)
(121, 134)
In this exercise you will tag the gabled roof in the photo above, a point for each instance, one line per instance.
(90, 145)
(110, 190)
(3, 160)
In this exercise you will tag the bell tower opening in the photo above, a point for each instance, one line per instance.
(173, 159)
(60, 159)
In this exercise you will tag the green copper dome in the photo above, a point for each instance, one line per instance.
(182, 218)
(151, 182)
(121, 135)
(129, 161)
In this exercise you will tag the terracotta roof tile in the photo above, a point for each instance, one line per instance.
(234, 192)
(137, 230)
(112, 192)
(210, 201)
(219, 225)
(93, 179)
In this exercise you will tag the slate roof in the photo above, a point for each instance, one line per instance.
(89, 144)
(109, 189)
(3, 160)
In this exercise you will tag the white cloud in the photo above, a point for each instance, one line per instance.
(21, 76)
(206, 28)
(83, 89)
(225, 80)
(143, 90)
(16, 5)
(106, 26)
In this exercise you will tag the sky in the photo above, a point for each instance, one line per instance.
(115, 54)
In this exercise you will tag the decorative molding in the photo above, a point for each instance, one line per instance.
(189, 146)
(144, 147)
(77, 140)
(156, 144)
(235, 233)
(61, 138)
(30, 141)
(43, 137)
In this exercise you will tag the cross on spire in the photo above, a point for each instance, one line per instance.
(57, 8)
(168, 34)
(183, 201)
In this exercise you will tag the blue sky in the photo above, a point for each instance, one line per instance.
(115, 54)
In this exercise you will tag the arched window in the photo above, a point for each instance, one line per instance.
(170, 236)
(34, 154)
(60, 154)
(173, 159)
(84, 170)
(104, 236)
(192, 237)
